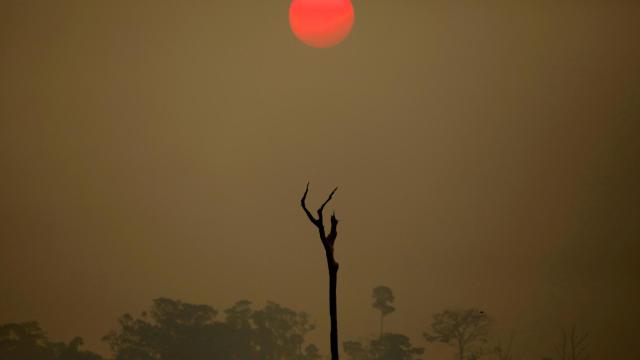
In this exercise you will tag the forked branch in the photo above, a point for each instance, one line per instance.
(327, 239)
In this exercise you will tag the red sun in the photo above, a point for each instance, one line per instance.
(321, 23)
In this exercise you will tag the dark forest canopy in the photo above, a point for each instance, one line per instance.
(27, 341)
(175, 330)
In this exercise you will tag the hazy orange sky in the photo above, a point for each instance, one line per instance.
(486, 153)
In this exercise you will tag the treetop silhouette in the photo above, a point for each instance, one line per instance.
(382, 300)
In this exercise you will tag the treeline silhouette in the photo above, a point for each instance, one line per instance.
(175, 330)
(27, 341)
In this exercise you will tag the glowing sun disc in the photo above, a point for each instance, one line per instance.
(321, 23)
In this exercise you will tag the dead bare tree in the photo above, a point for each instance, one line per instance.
(327, 242)
(573, 346)
(504, 352)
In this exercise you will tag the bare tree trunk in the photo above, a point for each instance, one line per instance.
(333, 305)
(327, 242)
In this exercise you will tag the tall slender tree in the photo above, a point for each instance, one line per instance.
(382, 300)
(328, 239)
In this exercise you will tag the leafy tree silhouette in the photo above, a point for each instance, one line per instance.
(327, 242)
(382, 300)
(173, 330)
(355, 350)
(464, 329)
(280, 331)
(27, 341)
